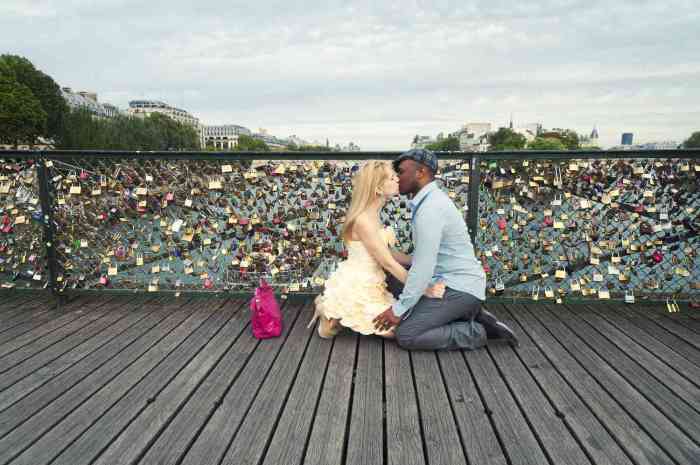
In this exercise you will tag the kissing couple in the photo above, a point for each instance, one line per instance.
(430, 300)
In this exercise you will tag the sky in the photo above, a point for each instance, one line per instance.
(378, 73)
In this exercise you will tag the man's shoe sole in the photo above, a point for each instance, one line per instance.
(507, 334)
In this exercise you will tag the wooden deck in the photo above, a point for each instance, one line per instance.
(127, 380)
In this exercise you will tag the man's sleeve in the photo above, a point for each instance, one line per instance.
(427, 234)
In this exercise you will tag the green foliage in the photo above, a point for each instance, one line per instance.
(308, 148)
(506, 139)
(693, 141)
(22, 119)
(250, 144)
(448, 144)
(156, 132)
(570, 140)
(43, 87)
(546, 143)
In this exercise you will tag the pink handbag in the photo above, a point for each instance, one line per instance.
(265, 315)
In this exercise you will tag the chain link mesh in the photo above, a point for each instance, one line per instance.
(546, 229)
(22, 256)
(590, 228)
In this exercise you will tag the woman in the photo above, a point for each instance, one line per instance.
(356, 291)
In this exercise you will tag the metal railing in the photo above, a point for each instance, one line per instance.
(546, 225)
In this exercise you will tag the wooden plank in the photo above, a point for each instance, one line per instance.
(642, 351)
(674, 406)
(15, 305)
(478, 436)
(91, 350)
(27, 318)
(629, 435)
(32, 308)
(250, 442)
(403, 430)
(680, 346)
(365, 436)
(600, 446)
(41, 323)
(679, 363)
(172, 443)
(25, 426)
(327, 440)
(146, 407)
(27, 360)
(28, 346)
(680, 330)
(254, 398)
(521, 445)
(441, 439)
(674, 441)
(560, 445)
(289, 441)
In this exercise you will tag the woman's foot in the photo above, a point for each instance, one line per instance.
(327, 327)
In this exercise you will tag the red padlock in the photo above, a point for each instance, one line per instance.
(548, 221)
(657, 256)
(501, 224)
(208, 283)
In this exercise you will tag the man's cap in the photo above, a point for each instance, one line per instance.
(426, 157)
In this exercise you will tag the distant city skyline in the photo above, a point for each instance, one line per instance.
(378, 74)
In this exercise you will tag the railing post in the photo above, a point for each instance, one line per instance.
(473, 201)
(47, 220)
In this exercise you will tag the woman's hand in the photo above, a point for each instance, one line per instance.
(435, 291)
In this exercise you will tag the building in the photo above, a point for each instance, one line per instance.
(88, 101)
(143, 108)
(627, 138)
(223, 137)
(478, 129)
(420, 142)
(660, 145)
(591, 141)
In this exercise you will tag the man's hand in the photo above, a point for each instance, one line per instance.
(386, 320)
(435, 291)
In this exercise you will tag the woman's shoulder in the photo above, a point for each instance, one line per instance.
(365, 224)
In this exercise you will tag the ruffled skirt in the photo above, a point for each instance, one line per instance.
(355, 294)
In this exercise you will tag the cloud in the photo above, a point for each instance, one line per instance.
(377, 73)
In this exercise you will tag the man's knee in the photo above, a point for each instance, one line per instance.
(404, 338)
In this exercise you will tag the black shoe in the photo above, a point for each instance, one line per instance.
(496, 329)
(488, 320)
(507, 334)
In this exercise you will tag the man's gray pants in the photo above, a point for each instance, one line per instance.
(440, 324)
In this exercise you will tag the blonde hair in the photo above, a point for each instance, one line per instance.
(365, 184)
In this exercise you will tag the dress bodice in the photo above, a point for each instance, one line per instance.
(358, 252)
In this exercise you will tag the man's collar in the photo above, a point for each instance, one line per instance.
(431, 186)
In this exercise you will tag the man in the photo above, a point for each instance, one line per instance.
(442, 252)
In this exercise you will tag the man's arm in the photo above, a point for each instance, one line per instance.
(427, 233)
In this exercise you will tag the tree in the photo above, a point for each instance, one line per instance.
(570, 139)
(43, 87)
(506, 139)
(250, 144)
(307, 148)
(157, 132)
(693, 141)
(546, 143)
(449, 144)
(22, 119)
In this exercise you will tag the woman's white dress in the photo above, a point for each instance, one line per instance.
(355, 293)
